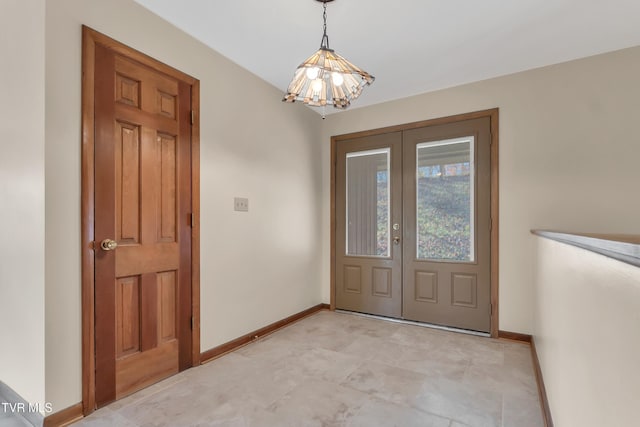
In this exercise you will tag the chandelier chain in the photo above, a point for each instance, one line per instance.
(324, 44)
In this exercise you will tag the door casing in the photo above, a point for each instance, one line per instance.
(493, 115)
(90, 38)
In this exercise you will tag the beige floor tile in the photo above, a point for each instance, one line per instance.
(321, 364)
(475, 406)
(440, 361)
(236, 414)
(521, 408)
(386, 382)
(318, 403)
(336, 369)
(381, 413)
(105, 417)
(420, 337)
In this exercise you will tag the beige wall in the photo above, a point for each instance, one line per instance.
(586, 333)
(568, 157)
(22, 198)
(568, 161)
(257, 267)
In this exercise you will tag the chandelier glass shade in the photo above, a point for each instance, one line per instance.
(327, 78)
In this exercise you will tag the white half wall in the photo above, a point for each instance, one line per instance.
(568, 157)
(22, 198)
(257, 267)
(587, 312)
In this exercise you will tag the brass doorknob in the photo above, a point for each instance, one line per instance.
(396, 240)
(108, 244)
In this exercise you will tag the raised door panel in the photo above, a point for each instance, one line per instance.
(127, 183)
(127, 316)
(128, 90)
(352, 279)
(166, 104)
(166, 191)
(426, 286)
(167, 300)
(464, 290)
(381, 282)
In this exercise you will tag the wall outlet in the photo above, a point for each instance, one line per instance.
(240, 204)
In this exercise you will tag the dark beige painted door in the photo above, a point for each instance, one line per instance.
(447, 246)
(142, 202)
(413, 224)
(369, 224)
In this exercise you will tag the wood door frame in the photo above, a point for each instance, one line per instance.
(493, 115)
(90, 38)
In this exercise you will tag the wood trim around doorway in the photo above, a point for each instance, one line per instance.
(91, 38)
(493, 115)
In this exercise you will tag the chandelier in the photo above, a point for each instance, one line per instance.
(326, 78)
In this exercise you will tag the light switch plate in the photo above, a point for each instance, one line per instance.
(241, 204)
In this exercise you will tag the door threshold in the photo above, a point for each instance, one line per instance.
(422, 324)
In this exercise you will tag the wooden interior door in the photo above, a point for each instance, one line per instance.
(447, 218)
(369, 225)
(142, 225)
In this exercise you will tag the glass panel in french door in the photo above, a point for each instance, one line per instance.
(445, 200)
(367, 203)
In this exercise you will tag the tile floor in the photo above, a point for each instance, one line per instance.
(336, 369)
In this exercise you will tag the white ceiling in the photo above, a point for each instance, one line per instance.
(410, 46)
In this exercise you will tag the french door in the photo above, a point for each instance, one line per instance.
(369, 224)
(413, 220)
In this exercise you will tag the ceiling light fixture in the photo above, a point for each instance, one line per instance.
(326, 78)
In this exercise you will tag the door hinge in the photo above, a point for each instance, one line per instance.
(193, 117)
(192, 323)
(490, 223)
(490, 309)
(191, 221)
